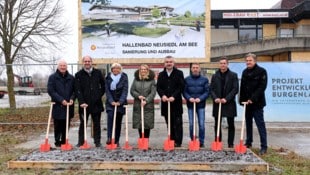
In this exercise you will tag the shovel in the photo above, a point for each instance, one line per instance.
(194, 144)
(126, 146)
(85, 145)
(67, 146)
(143, 143)
(217, 145)
(45, 147)
(241, 149)
(112, 145)
(169, 144)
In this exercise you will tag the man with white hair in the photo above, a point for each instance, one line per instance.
(60, 87)
(89, 89)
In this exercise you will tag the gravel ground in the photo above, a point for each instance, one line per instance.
(135, 155)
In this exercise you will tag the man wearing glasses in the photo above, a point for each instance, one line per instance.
(89, 89)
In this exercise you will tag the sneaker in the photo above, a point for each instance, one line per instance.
(57, 144)
(201, 145)
(262, 151)
(230, 146)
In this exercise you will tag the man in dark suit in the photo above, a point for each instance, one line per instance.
(224, 87)
(170, 85)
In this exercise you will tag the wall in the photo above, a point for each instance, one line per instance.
(300, 56)
(221, 36)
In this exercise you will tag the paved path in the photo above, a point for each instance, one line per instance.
(291, 136)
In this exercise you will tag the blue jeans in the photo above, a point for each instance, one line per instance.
(201, 122)
(258, 115)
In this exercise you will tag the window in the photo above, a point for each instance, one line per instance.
(250, 32)
(286, 33)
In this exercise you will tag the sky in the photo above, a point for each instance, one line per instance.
(70, 52)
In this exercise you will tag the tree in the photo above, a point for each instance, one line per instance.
(156, 12)
(28, 29)
(188, 14)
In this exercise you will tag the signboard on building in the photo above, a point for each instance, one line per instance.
(255, 15)
(287, 93)
(145, 31)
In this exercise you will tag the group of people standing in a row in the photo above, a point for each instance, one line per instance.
(89, 85)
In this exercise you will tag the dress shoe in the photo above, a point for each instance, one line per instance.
(57, 144)
(108, 142)
(78, 145)
(248, 145)
(230, 146)
(201, 145)
(98, 145)
(177, 145)
(262, 151)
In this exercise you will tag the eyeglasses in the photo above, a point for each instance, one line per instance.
(87, 61)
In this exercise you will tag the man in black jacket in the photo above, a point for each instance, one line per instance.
(224, 88)
(252, 91)
(170, 86)
(60, 87)
(89, 89)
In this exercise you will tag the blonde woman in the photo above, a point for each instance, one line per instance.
(116, 93)
(143, 88)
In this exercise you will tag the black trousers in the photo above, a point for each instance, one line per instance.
(96, 117)
(60, 131)
(231, 129)
(146, 133)
(118, 125)
(176, 125)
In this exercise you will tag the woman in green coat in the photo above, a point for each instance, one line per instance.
(143, 90)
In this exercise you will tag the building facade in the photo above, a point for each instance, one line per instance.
(281, 33)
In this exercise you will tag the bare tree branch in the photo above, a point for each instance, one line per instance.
(29, 30)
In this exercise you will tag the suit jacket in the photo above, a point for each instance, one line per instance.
(228, 92)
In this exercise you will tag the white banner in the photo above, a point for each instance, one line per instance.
(144, 29)
(287, 93)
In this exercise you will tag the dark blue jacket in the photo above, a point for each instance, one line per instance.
(118, 95)
(61, 87)
(196, 87)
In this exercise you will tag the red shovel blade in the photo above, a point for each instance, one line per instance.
(143, 143)
(85, 145)
(66, 146)
(112, 145)
(169, 145)
(194, 145)
(45, 147)
(217, 145)
(240, 149)
(127, 146)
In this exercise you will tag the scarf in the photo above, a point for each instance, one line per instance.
(89, 71)
(115, 79)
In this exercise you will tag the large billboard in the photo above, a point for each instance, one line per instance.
(138, 31)
(288, 90)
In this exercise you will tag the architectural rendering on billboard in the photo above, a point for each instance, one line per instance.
(143, 31)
